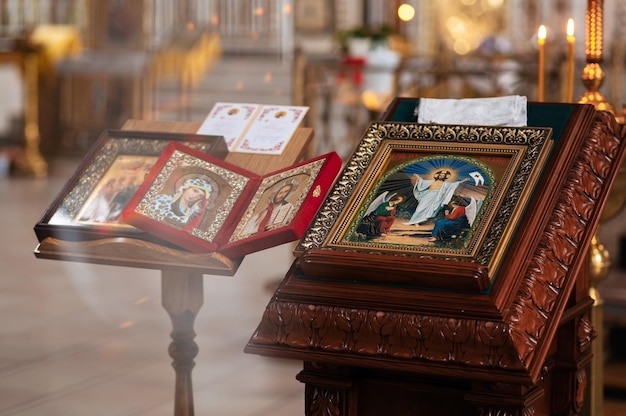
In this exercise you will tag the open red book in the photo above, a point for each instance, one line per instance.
(204, 204)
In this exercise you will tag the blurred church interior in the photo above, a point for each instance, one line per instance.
(87, 339)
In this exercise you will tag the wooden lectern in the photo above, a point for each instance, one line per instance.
(382, 332)
(181, 271)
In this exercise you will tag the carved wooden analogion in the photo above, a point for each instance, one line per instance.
(520, 347)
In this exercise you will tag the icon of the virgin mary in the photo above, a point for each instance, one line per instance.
(187, 205)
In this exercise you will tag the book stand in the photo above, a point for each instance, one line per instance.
(373, 345)
(181, 271)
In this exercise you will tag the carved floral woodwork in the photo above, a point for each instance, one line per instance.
(586, 334)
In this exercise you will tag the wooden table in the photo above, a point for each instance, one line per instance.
(181, 271)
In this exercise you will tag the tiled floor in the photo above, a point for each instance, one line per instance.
(81, 339)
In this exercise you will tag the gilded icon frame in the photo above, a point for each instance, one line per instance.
(388, 151)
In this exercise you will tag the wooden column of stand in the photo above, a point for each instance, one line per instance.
(182, 297)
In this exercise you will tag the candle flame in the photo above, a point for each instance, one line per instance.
(542, 33)
(570, 28)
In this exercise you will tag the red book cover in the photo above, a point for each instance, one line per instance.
(205, 204)
(282, 206)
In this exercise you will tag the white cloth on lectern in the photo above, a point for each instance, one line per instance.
(497, 111)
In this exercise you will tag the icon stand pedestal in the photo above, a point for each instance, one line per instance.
(521, 347)
(182, 272)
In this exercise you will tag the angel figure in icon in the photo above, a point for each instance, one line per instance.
(379, 216)
(458, 217)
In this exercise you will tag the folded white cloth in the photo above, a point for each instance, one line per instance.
(497, 111)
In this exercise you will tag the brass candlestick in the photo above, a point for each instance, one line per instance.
(31, 162)
(599, 264)
(593, 74)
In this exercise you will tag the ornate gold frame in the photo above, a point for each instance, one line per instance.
(525, 148)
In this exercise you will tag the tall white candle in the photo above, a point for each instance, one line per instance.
(541, 38)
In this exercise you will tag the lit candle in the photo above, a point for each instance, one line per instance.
(570, 60)
(541, 37)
